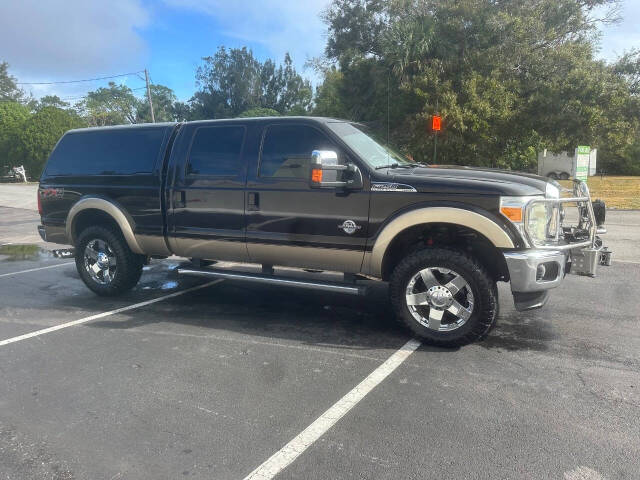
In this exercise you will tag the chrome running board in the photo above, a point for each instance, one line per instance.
(335, 287)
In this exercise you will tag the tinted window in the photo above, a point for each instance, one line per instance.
(216, 151)
(286, 151)
(107, 152)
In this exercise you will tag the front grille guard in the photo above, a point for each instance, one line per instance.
(587, 221)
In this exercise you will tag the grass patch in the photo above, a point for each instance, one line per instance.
(617, 192)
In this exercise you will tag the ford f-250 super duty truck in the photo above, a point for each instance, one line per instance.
(315, 193)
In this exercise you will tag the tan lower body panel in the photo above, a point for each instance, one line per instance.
(153, 245)
(349, 261)
(209, 249)
(366, 265)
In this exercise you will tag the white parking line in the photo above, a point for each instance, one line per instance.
(35, 269)
(55, 328)
(292, 450)
(582, 473)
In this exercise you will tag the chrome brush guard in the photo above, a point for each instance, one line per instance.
(582, 241)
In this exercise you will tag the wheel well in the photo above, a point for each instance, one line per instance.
(93, 217)
(445, 235)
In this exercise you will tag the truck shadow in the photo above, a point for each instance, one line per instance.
(520, 331)
(305, 316)
(309, 317)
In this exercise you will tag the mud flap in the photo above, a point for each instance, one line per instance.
(530, 300)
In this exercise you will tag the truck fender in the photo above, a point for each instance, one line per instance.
(457, 216)
(110, 208)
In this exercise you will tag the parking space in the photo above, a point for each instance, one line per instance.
(193, 384)
(549, 393)
(211, 383)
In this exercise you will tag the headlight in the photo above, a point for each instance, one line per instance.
(513, 209)
(542, 222)
(539, 224)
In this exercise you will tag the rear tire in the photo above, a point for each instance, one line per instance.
(564, 176)
(553, 176)
(105, 262)
(444, 296)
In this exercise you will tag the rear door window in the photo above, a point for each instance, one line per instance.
(107, 152)
(216, 151)
(286, 150)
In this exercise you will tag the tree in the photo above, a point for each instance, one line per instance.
(9, 90)
(233, 81)
(205, 104)
(114, 105)
(13, 116)
(233, 73)
(51, 101)
(164, 105)
(39, 134)
(628, 68)
(182, 111)
(259, 112)
(294, 95)
(328, 98)
(355, 26)
(508, 77)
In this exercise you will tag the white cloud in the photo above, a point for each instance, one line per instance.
(621, 37)
(279, 26)
(70, 39)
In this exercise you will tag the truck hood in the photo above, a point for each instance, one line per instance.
(457, 179)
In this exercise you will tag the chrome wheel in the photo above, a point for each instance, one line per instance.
(100, 261)
(439, 299)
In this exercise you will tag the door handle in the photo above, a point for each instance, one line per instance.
(253, 201)
(179, 199)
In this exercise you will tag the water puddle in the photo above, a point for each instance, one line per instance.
(160, 285)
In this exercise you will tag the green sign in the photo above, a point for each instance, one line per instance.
(584, 149)
(582, 162)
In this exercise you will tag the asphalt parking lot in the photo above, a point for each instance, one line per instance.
(212, 382)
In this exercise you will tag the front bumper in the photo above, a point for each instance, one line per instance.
(534, 272)
(573, 248)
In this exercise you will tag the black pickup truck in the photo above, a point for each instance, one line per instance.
(315, 193)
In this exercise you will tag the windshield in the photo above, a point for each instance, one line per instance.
(361, 140)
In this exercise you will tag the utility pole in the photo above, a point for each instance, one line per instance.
(435, 134)
(146, 77)
(435, 146)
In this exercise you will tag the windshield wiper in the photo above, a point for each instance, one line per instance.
(399, 165)
(391, 165)
(409, 165)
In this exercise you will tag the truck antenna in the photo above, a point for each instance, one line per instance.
(388, 114)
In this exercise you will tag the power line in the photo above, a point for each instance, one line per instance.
(81, 96)
(66, 99)
(79, 81)
(75, 97)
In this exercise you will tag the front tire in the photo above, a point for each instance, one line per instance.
(444, 296)
(105, 263)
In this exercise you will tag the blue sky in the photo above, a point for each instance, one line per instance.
(58, 40)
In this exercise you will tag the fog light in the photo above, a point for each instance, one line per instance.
(540, 272)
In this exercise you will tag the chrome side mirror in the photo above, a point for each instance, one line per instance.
(327, 161)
